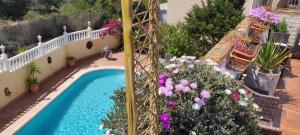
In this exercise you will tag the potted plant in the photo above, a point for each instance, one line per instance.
(265, 75)
(245, 49)
(281, 34)
(261, 19)
(71, 61)
(31, 80)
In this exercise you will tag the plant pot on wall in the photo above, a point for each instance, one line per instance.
(262, 81)
(71, 61)
(34, 87)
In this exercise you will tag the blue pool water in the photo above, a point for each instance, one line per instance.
(79, 110)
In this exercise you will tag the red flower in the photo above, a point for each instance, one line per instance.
(235, 95)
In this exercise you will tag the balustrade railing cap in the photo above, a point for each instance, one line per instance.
(39, 38)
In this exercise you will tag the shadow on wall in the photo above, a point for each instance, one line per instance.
(25, 33)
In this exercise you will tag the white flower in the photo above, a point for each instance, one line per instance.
(101, 126)
(182, 61)
(170, 66)
(191, 66)
(197, 62)
(255, 106)
(228, 91)
(243, 103)
(242, 91)
(216, 69)
(183, 57)
(246, 99)
(210, 62)
(107, 132)
(193, 133)
(244, 75)
(191, 57)
(196, 106)
(175, 71)
(174, 58)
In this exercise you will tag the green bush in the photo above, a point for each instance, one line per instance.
(13, 9)
(176, 41)
(208, 24)
(227, 109)
(282, 27)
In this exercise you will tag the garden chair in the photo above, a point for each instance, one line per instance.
(268, 104)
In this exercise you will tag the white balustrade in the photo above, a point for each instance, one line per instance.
(24, 58)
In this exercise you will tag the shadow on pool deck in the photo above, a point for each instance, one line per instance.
(17, 108)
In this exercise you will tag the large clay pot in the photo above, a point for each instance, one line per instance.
(71, 63)
(34, 88)
(262, 81)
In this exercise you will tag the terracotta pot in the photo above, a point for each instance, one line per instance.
(245, 55)
(239, 64)
(34, 88)
(71, 63)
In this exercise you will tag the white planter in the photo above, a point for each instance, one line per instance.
(262, 81)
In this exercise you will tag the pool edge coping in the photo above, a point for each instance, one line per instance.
(28, 115)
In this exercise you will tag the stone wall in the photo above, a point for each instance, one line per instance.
(292, 18)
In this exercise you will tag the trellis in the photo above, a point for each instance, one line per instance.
(140, 29)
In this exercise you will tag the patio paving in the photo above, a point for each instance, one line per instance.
(14, 110)
(288, 90)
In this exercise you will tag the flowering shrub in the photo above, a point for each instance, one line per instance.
(194, 99)
(114, 28)
(264, 15)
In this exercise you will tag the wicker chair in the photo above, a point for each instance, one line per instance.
(268, 104)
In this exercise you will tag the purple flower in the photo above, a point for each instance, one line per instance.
(194, 85)
(162, 76)
(179, 87)
(166, 125)
(184, 82)
(199, 101)
(170, 104)
(186, 89)
(164, 117)
(205, 94)
(162, 82)
(168, 93)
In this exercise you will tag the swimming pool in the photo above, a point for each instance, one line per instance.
(80, 109)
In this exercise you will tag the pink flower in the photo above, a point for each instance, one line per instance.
(194, 85)
(184, 82)
(161, 90)
(179, 87)
(235, 96)
(162, 82)
(169, 81)
(169, 87)
(186, 89)
(205, 94)
(162, 76)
